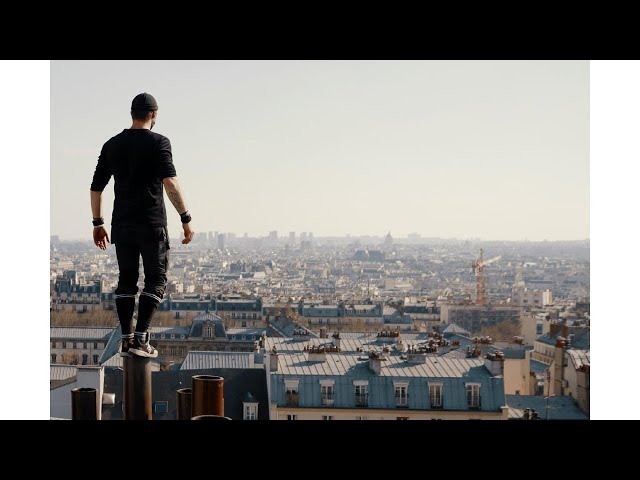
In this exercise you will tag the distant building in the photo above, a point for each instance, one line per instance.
(305, 245)
(523, 297)
(388, 241)
(221, 241)
(207, 333)
(361, 255)
(567, 352)
(376, 256)
(69, 295)
(367, 377)
(361, 316)
(474, 317)
(240, 312)
(78, 345)
(55, 239)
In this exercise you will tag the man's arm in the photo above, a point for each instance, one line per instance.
(174, 193)
(101, 177)
(96, 204)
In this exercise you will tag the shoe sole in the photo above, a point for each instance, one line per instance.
(142, 353)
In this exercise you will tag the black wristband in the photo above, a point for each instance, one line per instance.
(185, 218)
(98, 221)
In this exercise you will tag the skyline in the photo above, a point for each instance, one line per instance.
(479, 149)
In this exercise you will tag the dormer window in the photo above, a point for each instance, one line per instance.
(473, 395)
(291, 392)
(250, 411)
(435, 395)
(401, 394)
(327, 392)
(207, 331)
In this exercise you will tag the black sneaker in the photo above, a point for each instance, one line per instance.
(125, 344)
(143, 348)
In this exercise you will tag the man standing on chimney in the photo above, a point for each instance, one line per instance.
(141, 164)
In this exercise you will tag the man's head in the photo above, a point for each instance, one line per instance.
(144, 108)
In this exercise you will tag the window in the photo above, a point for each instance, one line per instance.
(95, 359)
(54, 357)
(327, 394)
(85, 359)
(435, 395)
(173, 336)
(362, 395)
(327, 417)
(291, 393)
(73, 344)
(95, 345)
(250, 411)
(401, 395)
(207, 331)
(473, 395)
(162, 335)
(161, 407)
(292, 417)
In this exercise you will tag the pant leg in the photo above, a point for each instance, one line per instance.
(155, 260)
(128, 255)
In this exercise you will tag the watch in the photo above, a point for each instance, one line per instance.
(98, 222)
(185, 217)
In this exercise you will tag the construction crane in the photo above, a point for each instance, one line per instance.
(478, 268)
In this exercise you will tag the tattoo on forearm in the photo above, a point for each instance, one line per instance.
(176, 199)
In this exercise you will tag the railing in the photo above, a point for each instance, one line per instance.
(327, 399)
(292, 399)
(362, 400)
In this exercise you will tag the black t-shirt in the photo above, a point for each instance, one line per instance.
(138, 159)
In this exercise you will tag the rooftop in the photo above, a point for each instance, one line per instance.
(203, 360)
(80, 333)
(559, 407)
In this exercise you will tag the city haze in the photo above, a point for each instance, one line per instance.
(497, 150)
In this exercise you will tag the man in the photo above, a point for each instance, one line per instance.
(141, 164)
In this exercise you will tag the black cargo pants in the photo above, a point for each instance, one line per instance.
(152, 243)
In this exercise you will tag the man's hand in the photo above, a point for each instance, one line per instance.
(100, 238)
(188, 233)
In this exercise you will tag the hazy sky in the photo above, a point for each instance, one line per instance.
(492, 149)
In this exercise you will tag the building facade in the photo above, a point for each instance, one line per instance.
(371, 377)
(78, 345)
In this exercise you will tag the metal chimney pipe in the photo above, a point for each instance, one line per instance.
(183, 404)
(137, 388)
(207, 396)
(210, 417)
(84, 404)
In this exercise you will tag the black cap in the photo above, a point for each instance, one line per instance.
(144, 102)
